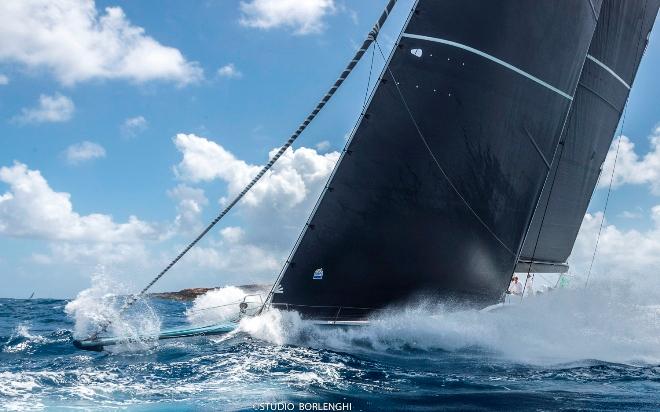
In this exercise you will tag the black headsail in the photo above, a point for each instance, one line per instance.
(436, 189)
(614, 56)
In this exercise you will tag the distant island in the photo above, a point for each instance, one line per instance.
(192, 293)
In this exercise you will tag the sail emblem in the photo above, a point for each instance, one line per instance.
(318, 274)
(279, 289)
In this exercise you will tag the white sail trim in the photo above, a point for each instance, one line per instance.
(491, 58)
(607, 69)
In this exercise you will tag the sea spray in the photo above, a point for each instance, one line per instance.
(101, 302)
(215, 306)
(604, 322)
(222, 305)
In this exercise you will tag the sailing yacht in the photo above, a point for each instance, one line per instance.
(475, 158)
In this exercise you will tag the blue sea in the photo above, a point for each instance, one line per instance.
(576, 350)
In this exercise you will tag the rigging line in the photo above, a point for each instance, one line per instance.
(554, 178)
(545, 212)
(435, 160)
(607, 198)
(623, 122)
(371, 37)
(366, 91)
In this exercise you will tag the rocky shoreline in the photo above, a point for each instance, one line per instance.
(192, 293)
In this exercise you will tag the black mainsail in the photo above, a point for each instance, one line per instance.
(436, 189)
(614, 56)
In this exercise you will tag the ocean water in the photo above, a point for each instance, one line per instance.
(595, 349)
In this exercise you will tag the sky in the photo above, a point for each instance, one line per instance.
(125, 126)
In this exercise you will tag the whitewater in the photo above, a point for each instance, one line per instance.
(592, 348)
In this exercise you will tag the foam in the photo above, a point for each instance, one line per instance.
(607, 322)
(101, 302)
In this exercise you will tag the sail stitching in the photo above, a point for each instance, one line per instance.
(491, 58)
(437, 163)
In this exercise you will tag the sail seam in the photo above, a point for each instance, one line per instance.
(607, 69)
(491, 58)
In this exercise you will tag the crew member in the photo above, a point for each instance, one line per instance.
(515, 288)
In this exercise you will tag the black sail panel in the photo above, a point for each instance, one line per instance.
(434, 192)
(614, 56)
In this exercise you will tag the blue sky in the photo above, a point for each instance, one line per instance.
(106, 161)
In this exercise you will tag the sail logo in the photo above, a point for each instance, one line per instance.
(318, 274)
(279, 289)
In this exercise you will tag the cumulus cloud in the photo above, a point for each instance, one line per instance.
(83, 152)
(56, 108)
(303, 17)
(32, 209)
(3, 80)
(229, 71)
(632, 168)
(76, 43)
(252, 249)
(133, 126)
(232, 255)
(285, 185)
(190, 203)
(622, 254)
(271, 215)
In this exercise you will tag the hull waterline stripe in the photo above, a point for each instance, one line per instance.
(607, 69)
(491, 58)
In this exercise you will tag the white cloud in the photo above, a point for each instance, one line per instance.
(285, 185)
(622, 254)
(77, 43)
(628, 214)
(56, 108)
(84, 151)
(133, 126)
(231, 255)
(3, 80)
(323, 146)
(304, 17)
(232, 234)
(32, 209)
(190, 203)
(272, 214)
(251, 249)
(632, 168)
(229, 71)
(92, 253)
